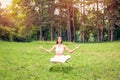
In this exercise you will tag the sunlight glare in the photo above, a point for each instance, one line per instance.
(5, 3)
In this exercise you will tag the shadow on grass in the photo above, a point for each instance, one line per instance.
(58, 68)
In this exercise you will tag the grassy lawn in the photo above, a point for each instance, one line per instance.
(93, 61)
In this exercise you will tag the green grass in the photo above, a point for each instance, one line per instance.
(93, 61)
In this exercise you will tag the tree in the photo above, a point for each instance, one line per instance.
(111, 15)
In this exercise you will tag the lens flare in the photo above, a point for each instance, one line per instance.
(5, 3)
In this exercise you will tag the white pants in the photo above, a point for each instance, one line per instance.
(61, 58)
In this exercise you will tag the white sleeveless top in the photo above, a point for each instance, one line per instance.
(59, 50)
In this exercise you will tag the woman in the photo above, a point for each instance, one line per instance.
(59, 47)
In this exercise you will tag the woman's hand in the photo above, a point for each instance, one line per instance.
(77, 47)
(71, 51)
(74, 49)
(44, 49)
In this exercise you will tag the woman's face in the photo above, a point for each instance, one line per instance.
(59, 39)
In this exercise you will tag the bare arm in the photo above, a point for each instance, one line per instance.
(71, 51)
(47, 50)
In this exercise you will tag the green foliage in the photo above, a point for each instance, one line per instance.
(24, 34)
(20, 34)
(117, 33)
(20, 21)
(7, 33)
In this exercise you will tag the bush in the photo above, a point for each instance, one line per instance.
(19, 34)
(7, 33)
(25, 34)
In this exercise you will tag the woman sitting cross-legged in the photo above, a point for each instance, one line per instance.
(59, 48)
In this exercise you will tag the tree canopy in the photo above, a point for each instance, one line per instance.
(74, 20)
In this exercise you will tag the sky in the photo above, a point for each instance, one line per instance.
(5, 3)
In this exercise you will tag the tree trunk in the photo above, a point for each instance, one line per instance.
(41, 21)
(99, 37)
(111, 35)
(98, 31)
(68, 23)
(102, 36)
(82, 37)
(60, 30)
(40, 37)
(101, 32)
(52, 32)
(73, 25)
(68, 30)
(52, 22)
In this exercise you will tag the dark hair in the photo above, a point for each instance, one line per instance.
(57, 40)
